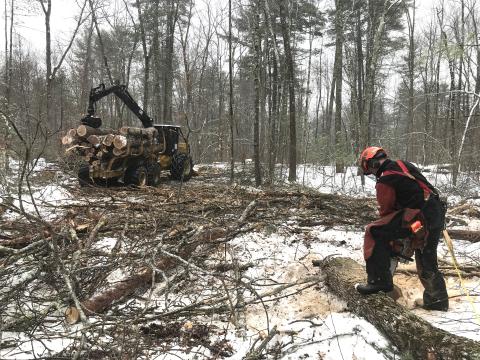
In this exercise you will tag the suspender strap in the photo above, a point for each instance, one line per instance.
(426, 190)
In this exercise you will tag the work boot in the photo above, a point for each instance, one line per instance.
(373, 287)
(431, 303)
(435, 296)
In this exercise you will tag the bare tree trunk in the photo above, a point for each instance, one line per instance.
(329, 117)
(5, 13)
(105, 60)
(370, 79)
(172, 17)
(256, 123)
(230, 94)
(157, 96)
(8, 78)
(338, 76)
(307, 105)
(47, 10)
(476, 36)
(85, 81)
(9, 60)
(146, 55)
(292, 149)
(319, 99)
(360, 75)
(411, 74)
(274, 111)
(100, 40)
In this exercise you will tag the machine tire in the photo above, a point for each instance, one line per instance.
(106, 182)
(153, 174)
(83, 175)
(136, 175)
(182, 166)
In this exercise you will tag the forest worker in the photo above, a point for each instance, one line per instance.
(411, 220)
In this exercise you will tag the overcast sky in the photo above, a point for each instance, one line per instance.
(30, 23)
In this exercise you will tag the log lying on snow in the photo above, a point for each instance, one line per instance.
(472, 236)
(410, 334)
(103, 300)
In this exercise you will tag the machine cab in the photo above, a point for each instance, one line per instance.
(172, 137)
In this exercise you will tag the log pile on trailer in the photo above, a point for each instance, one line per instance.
(94, 144)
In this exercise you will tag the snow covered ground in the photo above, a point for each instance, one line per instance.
(310, 321)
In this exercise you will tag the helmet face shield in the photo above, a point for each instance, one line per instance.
(365, 161)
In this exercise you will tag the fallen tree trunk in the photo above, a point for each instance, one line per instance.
(412, 335)
(472, 236)
(103, 300)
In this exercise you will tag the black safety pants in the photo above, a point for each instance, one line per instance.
(378, 265)
(435, 295)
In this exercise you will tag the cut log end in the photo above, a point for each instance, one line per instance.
(72, 315)
(67, 140)
(120, 142)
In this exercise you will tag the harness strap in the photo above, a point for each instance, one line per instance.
(426, 190)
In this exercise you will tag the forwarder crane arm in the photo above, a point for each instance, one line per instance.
(122, 93)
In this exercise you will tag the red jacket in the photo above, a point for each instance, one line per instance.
(386, 199)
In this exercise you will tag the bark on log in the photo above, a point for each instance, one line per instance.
(412, 335)
(149, 133)
(472, 236)
(78, 147)
(85, 131)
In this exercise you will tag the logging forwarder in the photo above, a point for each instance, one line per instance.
(134, 155)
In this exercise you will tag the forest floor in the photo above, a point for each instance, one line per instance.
(245, 288)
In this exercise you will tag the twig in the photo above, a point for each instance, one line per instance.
(256, 353)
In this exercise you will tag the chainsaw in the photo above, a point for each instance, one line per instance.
(403, 249)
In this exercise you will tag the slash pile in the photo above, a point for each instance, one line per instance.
(95, 144)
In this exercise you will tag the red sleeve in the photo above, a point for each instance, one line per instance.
(385, 199)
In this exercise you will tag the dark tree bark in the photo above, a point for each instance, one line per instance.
(411, 75)
(256, 38)
(292, 148)
(47, 10)
(146, 55)
(373, 56)
(230, 94)
(85, 80)
(172, 17)
(338, 76)
(412, 335)
(9, 54)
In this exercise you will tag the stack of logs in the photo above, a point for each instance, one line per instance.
(95, 144)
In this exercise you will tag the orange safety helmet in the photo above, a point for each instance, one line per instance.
(369, 154)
